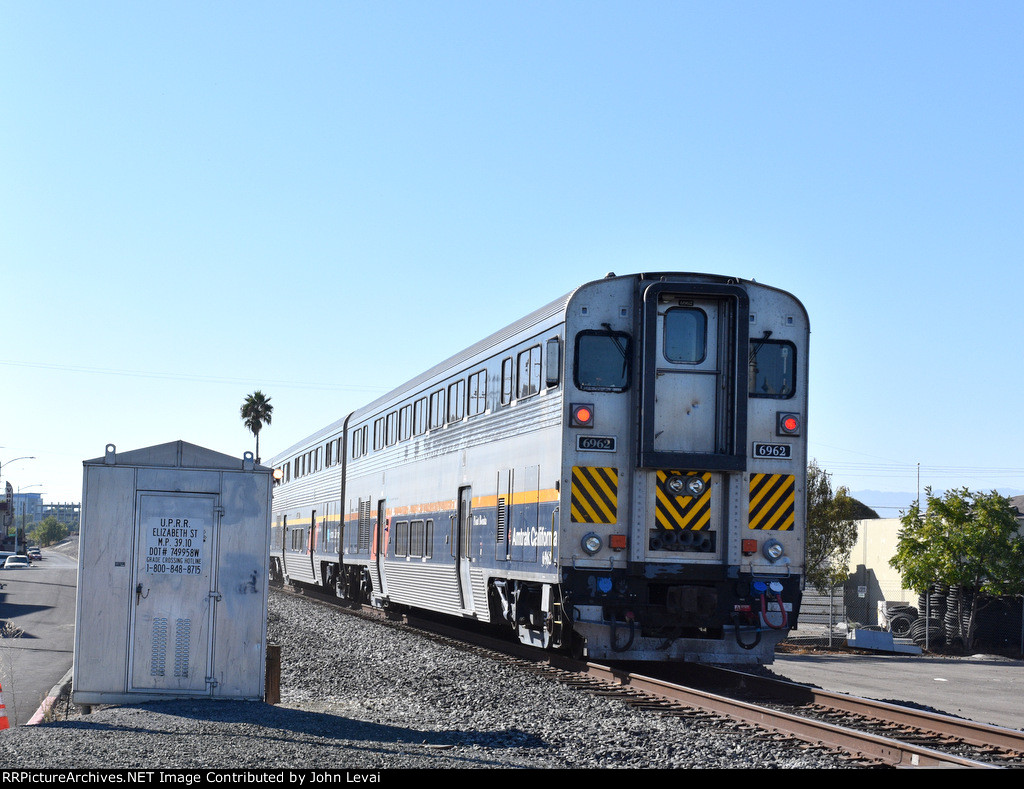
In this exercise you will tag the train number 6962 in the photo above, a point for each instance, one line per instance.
(772, 451)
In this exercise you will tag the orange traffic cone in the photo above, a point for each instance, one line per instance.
(3, 711)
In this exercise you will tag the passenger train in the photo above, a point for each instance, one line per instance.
(620, 474)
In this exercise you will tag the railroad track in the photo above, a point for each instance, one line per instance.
(868, 732)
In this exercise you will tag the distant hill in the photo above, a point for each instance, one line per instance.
(889, 505)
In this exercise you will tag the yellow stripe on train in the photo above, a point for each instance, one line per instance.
(772, 502)
(595, 494)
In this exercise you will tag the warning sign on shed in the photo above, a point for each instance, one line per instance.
(174, 546)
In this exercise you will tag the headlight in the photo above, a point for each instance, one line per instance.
(591, 543)
(685, 486)
(773, 550)
(695, 486)
(675, 485)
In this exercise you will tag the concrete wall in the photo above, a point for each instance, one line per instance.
(872, 579)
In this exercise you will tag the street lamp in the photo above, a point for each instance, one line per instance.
(23, 457)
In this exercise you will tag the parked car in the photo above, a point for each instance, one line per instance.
(16, 562)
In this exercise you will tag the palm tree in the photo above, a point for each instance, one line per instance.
(256, 411)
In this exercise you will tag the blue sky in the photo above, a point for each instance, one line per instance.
(320, 199)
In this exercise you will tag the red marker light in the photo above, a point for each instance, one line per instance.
(787, 424)
(582, 415)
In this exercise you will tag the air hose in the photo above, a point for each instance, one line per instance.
(632, 633)
(774, 592)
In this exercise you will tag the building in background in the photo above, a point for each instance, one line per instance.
(68, 513)
(28, 507)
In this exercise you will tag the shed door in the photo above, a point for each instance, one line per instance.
(173, 593)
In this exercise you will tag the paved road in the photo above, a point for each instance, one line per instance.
(37, 612)
(983, 688)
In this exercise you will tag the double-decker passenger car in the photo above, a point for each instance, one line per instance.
(620, 473)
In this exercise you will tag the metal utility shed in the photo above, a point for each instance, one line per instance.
(172, 576)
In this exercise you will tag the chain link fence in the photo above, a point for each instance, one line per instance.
(943, 620)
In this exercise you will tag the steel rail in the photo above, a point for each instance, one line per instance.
(980, 735)
(869, 746)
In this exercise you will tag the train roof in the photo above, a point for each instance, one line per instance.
(536, 317)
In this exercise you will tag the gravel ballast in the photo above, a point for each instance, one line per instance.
(359, 695)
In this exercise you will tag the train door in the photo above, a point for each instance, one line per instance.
(380, 548)
(312, 544)
(694, 399)
(462, 547)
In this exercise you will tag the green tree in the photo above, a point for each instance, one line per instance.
(831, 529)
(966, 540)
(48, 531)
(256, 412)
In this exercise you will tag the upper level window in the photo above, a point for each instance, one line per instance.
(420, 417)
(686, 331)
(404, 422)
(528, 363)
(456, 401)
(392, 428)
(477, 401)
(771, 369)
(602, 361)
(507, 380)
(437, 412)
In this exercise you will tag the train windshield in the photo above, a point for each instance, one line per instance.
(772, 369)
(602, 361)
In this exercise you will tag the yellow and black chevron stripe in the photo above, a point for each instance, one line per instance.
(595, 494)
(683, 512)
(772, 502)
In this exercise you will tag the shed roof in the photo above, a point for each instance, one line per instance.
(174, 454)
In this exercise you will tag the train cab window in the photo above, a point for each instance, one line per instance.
(437, 411)
(552, 373)
(686, 330)
(456, 401)
(477, 402)
(602, 361)
(528, 363)
(507, 380)
(771, 369)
